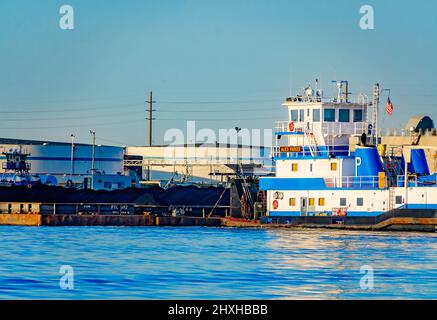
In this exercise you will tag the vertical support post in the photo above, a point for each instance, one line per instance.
(376, 93)
(93, 133)
(150, 117)
(238, 151)
(72, 158)
(406, 183)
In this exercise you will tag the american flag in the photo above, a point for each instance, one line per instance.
(389, 107)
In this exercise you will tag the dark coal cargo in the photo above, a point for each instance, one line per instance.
(154, 196)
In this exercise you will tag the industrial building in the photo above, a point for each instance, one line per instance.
(198, 163)
(67, 161)
(120, 167)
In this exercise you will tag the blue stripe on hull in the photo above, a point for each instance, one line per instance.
(419, 206)
(329, 213)
(284, 213)
(310, 184)
(292, 184)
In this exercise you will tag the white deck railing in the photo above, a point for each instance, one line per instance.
(353, 182)
(330, 128)
(284, 126)
(344, 128)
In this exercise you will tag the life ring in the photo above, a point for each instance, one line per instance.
(342, 212)
(291, 126)
(29, 185)
(275, 204)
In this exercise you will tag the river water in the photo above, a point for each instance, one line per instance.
(214, 263)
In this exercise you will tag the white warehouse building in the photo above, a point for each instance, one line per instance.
(197, 163)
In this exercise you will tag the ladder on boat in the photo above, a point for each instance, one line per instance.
(392, 199)
(246, 192)
(313, 146)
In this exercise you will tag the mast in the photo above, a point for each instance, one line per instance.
(376, 93)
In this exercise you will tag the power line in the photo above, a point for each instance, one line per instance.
(218, 102)
(70, 126)
(117, 106)
(75, 118)
(113, 141)
(215, 111)
(219, 119)
(68, 100)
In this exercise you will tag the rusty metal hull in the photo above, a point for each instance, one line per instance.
(20, 219)
(98, 220)
(398, 220)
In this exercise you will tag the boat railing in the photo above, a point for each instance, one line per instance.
(16, 166)
(360, 99)
(329, 128)
(344, 128)
(354, 182)
(414, 181)
(311, 99)
(294, 127)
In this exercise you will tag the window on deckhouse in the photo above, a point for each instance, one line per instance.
(358, 115)
(329, 115)
(301, 115)
(294, 115)
(344, 115)
(316, 115)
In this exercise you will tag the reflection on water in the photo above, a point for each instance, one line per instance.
(209, 263)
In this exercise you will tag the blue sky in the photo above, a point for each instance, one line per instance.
(236, 60)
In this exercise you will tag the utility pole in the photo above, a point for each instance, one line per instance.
(72, 136)
(150, 118)
(93, 133)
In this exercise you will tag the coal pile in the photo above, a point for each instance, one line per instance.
(154, 196)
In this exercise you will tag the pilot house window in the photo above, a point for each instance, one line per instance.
(294, 115)
(329, 115)
(316, 115)
(358, 115)
(301, 115)
(344, 115)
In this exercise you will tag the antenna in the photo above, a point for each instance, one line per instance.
(376, 95)
(342, 96)
(290, 80)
